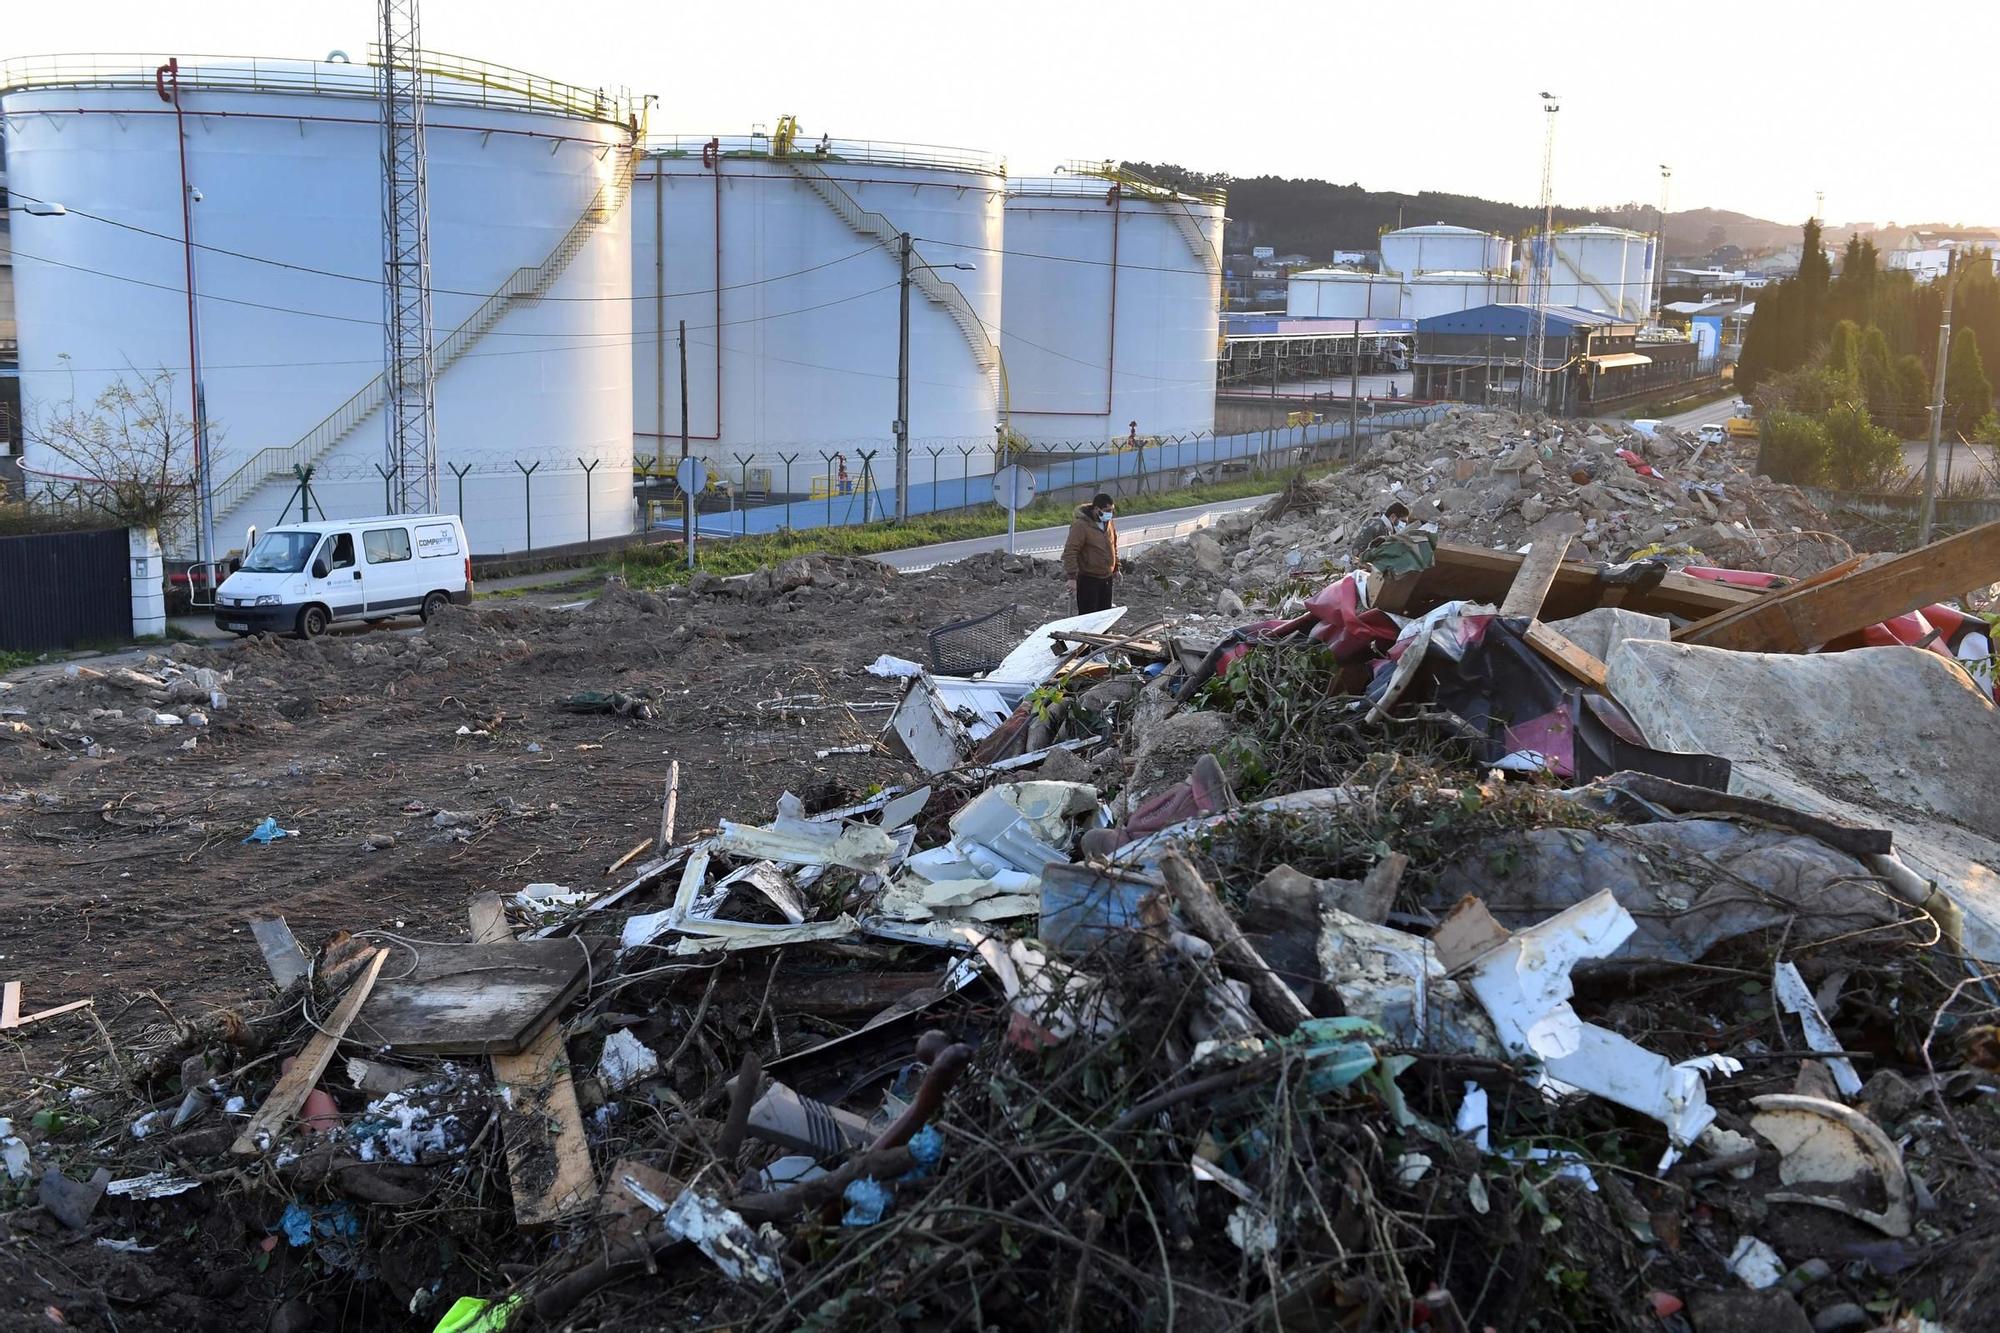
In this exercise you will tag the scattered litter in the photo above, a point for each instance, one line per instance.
(625, 1061)
(1756, 1263)
(268, 832)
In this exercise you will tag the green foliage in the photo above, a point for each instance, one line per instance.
(1860, 455)
(1843, 351)
(1810, 390)
(1879, 388)
(1793, 447)
(664, 564)
(1968, 393)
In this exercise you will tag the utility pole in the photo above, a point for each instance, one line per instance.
(903, 388)
(1656, 296)
(1545, 253)
(1937, 407)
(1354, 395)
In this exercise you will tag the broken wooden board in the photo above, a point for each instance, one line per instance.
(290, 1092)
(1560, 649)
(1479, 575)
(282, 954)
(548, 1159)
(1549, 543)
(10, 1008)
(1797, 620)
(473, 999)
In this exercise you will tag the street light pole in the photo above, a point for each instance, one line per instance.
(903, 388)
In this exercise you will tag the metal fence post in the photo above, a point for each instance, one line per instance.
(934, 451)
(588, 468)
(788, 460)
(388, 504)
(456, 471)
(743, 483)
(867, 457)
(966, 451)
(528, 500)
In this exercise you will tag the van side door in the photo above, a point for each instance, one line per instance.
(342, 588)
(391, 571)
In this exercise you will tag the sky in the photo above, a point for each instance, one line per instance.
(1757, 105)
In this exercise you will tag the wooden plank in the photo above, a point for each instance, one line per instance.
(282, 955)
(669, 806)
(1563, 651)
(473, 999)
(1477, 574)
(1799, 619)
(1537, 574)
(10, 1004)
(290, 1093)
(548, 1159)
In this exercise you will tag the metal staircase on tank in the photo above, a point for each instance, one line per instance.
(525, 287)
(1612, 303)
(1177, 206)
(945, 295)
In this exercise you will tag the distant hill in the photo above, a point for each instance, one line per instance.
(1316, 217)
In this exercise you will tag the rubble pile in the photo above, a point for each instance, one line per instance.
(1408, 962)
(1487, 478)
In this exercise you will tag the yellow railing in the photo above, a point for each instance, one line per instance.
(1143, 187)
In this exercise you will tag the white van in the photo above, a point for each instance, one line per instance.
(303, 577)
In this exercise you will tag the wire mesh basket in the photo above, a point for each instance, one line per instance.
(970, 647)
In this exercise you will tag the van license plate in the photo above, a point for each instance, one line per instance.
(235, 624)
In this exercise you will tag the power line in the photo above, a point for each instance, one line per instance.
(446, 291)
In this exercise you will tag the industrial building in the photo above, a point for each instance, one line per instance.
(10, 342)
(1425, 271)
(1605, 269)
(239, 229)
(783, 258)
(221, 220)
(1112, 297)
(1590, 361)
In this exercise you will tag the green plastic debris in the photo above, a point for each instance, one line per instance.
(1336, 1050)
(476, 1314)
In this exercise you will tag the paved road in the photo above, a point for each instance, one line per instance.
(1715, 412)
(1133, 533)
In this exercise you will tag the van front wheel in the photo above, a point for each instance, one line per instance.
(312, 622)
(434, 603)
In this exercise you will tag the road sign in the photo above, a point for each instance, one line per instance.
(691, 475)
(1013, 491)
(1013, 488)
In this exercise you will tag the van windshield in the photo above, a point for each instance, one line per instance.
(281, 553)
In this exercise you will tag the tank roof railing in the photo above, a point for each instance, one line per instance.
(452, 80)
(1142, 186)
(875, 152)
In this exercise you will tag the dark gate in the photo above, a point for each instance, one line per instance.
(63, 589)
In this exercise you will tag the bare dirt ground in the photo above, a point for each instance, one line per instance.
(449, 750)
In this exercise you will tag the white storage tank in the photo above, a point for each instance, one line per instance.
(1640, 271)
(1111, 309)
(530, 270)
(1446, 293)
(1596, 268)
(783, 260)
(1344, 293)
(1442, 248)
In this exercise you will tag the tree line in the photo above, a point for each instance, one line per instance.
(1842, 368)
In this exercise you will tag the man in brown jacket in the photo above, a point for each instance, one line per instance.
(1090, 556)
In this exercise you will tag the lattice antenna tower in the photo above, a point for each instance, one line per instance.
(1545, 253)
(411, 416)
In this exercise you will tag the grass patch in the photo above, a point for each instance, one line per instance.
(13, 659)
(664, 564)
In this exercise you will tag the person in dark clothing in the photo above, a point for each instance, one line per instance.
(1090, 555)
